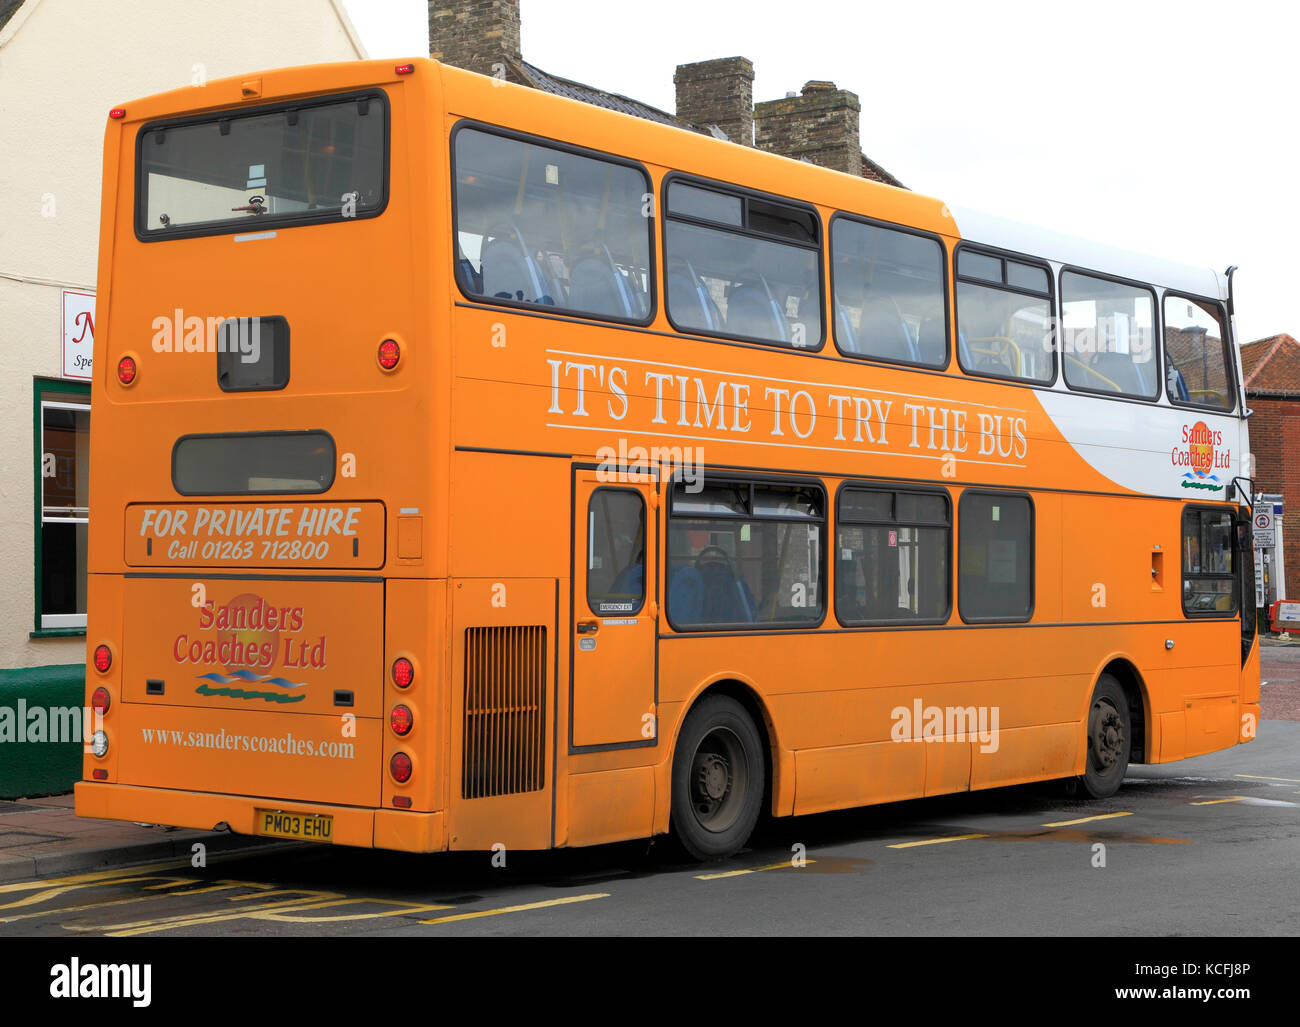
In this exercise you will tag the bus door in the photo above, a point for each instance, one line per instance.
(614, 627)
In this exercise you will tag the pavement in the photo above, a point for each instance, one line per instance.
(44, 837)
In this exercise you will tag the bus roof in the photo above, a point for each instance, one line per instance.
(1085, 254)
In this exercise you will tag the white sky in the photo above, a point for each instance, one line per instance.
(1167, 128)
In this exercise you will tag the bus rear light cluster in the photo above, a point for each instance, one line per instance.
(389, 354)
(103, 658)
(126, 370)
(100, 701)
(399, 766)
(403, 672)
(401, 720)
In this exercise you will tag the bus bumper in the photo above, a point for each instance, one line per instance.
(364, 828)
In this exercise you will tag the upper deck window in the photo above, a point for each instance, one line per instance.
(1196, 354)
(889, 294)
(1108, 331)
(1004, 318)
(742, 266)
(242, 171)
(538, 225)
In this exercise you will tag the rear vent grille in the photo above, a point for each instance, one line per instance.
(505, 693)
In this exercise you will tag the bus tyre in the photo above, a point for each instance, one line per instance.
(1109, 737)
(717, 779)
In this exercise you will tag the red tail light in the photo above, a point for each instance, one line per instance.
(117, 112)
(402, 801)
(404, 69)
(103, 658)
(100, 701)
(389, 354)
(401, 720)
(403, 672)
(400, 767)
(126, 370)
(100, 774)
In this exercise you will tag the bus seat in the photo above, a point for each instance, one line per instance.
(752, 311)
(598, 287)
(509, 273)
(470, 279)
(725, 598)
(1120, 369)
(685, 596)
(689, 301)
(933, 339)
(883, 332)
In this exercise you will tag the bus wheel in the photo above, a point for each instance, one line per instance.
(717, 779)
(1109, 737)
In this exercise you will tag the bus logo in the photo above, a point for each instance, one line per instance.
(1201, 452)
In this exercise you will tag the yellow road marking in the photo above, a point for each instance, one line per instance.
(1215, 802)
(1088, 820)
(167, 923)
(786, 865)
(1261, 777)
(937, 841)
(403, 908)
(98, 877)
(517, 909)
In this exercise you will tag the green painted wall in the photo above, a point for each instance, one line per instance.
(30, 768)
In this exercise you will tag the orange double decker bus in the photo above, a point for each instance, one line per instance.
(475, 466)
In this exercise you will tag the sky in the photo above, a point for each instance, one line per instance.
(1166, 128)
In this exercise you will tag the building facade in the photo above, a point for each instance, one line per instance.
(1272, 379)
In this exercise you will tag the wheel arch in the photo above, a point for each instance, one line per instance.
(747, 695)
(1125, 671)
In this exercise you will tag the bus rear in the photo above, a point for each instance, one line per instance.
(264, 592)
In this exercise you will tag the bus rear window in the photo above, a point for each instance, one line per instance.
(291, 164)
(253, 463)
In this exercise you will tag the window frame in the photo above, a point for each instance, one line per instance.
(1157, 329)
(645, 542)
(745, 194)
(751, 481)
(334, 464)
(652, 270)
(1228, 354)
(948, 293)
(268, 221)
(1234, 577)
(1033, 555)
(895, 488)
(43, 387)
(1053, 307)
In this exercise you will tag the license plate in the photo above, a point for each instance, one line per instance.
(307, 827)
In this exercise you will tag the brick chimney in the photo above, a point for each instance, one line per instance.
(718, 92)
(474, 34)
(820, 126)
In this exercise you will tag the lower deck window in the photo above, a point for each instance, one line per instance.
(996, 546)
(745, 555)
(64, 481)
(892, 557)
(253, 463)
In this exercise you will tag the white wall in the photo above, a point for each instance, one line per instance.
(63, 65)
